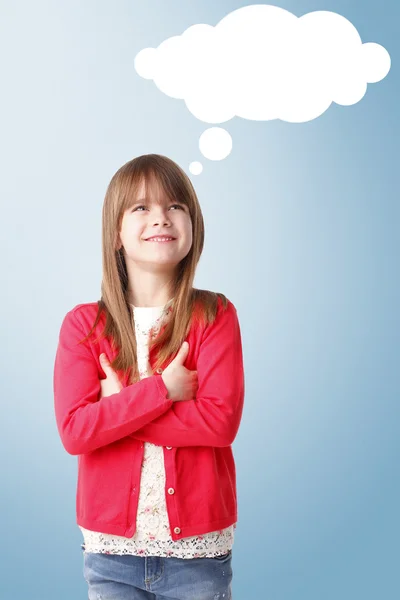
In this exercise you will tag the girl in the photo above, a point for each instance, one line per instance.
(148, 393)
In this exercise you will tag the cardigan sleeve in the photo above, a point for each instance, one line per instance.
(84, 422)
(213, 417)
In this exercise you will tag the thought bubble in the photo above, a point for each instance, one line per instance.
(195, 167)
(215, 143)
(261, 62)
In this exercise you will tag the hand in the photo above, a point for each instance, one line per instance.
(181, 383)
(111, 385)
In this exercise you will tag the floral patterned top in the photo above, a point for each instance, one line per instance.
(152, 536)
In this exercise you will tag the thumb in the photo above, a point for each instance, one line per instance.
(105, 363)
(109, 371)
(182, 353)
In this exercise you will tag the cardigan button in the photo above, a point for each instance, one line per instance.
(171, 491)
(177, 530)
(168, 447)
(159, 371)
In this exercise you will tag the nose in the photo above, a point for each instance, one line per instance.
(161, 216)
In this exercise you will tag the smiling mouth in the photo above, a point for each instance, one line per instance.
(161, 240)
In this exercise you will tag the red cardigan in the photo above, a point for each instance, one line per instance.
(108, 435)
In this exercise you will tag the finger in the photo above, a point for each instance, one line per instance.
(182, 353)
(103, 358)
(105, 364)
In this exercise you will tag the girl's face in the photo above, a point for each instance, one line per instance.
(147, 218)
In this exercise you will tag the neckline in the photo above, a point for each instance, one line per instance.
(152, 308)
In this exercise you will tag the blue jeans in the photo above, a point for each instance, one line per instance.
(130, 577)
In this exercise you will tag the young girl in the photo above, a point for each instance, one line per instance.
(148, 393)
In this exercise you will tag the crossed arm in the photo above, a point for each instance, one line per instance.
(142, 410)
(213, 417)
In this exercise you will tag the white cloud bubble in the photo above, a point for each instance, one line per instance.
(146, 63)
(195, 167)
(261, 62)
(215, 143)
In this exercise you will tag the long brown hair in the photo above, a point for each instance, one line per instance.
(188, 301)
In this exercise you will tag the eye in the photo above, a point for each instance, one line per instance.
(143, 206)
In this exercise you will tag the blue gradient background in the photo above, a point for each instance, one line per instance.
(302, 234)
